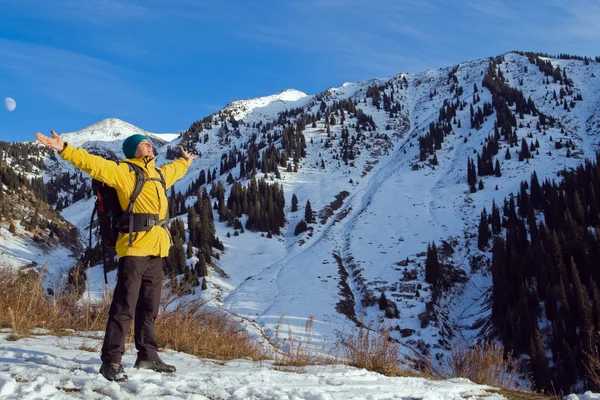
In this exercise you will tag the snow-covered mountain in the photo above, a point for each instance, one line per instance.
(266, 107)
(379, 205)
(109, 134)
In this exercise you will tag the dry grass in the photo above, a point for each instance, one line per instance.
(293, 353)
(20, 295)
(191, 328)
(28, 306)
(186, 327)
(523, 395)
(372, 350)
(592, 364)
(484, 364)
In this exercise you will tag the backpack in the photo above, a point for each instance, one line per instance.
(113, 220)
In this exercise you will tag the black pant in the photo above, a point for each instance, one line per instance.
(137, 291)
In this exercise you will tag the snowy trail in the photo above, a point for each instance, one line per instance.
(47, 367)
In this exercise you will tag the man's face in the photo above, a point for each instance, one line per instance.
(144, 149)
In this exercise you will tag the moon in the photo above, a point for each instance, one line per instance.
(10, 104)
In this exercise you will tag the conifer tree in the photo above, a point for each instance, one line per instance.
(484, 231)
(294, 203)
(432, 265)
(539, 362)
(497, 171)
(382, 301)
(525, 149)
(593, 216)
(500, 282)
(176, 259)
(172, 202)
(201, 267)
(192, 225)
(189, 250)
(536, 195)
(471, 174)
(583, 312)
(308, 213)
(495, 218)
(578, 213)
(595, 297)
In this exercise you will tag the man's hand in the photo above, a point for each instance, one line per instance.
(55, 141)
(186, 155)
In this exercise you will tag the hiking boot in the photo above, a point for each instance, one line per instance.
(157, 365)
(113, 372)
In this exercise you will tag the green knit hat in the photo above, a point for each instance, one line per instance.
(131, 144)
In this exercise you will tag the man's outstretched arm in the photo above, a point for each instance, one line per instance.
(97, 167)
(175, 170)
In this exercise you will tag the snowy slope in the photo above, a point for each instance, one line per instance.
(261, 108)
(391, 213)
(19, 250)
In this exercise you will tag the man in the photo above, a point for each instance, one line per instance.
(141, 254)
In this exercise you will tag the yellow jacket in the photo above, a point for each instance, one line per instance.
(152, 199)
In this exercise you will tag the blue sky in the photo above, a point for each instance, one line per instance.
(162, 64)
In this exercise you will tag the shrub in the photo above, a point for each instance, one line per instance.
(484, 364)
(592, 366)
(194, 329)
(29, 306)
(372, 350)
(301, 227)
(295, 352)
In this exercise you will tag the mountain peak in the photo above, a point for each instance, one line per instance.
(273, 103)
(291, 95)
(115, 126)
(111, 130)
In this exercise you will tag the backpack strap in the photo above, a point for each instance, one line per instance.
(162, 179)
(141, 221)
(139, 185)
(99, 209)
(167, 216)
(164, 185)
(92, 221)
